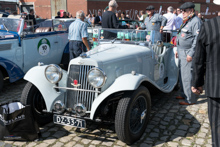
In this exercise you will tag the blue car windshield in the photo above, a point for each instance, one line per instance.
(10, 24)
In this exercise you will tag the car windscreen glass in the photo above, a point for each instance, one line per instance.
(127, 36)
(10, 24)
(62, 24)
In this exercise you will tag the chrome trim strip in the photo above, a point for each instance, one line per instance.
(76, 89)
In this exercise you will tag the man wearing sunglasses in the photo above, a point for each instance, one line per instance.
(186, 43)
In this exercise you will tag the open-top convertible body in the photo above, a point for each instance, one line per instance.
(112, 82)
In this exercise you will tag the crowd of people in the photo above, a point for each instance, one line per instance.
(63, 15)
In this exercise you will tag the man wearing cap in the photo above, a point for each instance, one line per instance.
(154, 22)
(206, 63)
(186, 43)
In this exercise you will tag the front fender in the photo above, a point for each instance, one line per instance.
(37, 77)
(122, 83)
(14, 71)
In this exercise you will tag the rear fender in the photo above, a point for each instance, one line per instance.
(37, 77)
(13, 70)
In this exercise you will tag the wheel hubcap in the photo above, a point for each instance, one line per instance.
(143, 115)
(138, 114)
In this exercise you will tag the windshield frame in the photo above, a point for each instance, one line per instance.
(126, 36)
(17, 29)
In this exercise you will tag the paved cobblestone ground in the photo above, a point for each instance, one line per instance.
(170, 125)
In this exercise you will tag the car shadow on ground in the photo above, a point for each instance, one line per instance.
(169, 121)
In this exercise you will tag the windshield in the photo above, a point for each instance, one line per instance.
(10, 24)
(97, 36)
(62, 24)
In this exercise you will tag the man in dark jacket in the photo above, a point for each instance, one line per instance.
(98, 19)
(109, 20)
(58, 15)
(31, 17)
(207, 63)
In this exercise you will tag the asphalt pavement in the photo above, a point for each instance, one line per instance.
(170, 125)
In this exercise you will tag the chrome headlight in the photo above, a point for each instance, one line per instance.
(96, 77)
(53, 73)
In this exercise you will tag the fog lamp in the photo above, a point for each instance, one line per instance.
(59, 107)
(80, 109)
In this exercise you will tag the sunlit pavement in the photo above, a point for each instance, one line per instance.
(170, 125)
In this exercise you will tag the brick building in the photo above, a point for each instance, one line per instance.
(8, 6)
(49, 8)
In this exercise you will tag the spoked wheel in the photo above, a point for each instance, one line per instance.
(1, 81)
(32, 96)
(132, 115)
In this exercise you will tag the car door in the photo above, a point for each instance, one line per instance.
(10, 50)
(41, 47)
(160, 54)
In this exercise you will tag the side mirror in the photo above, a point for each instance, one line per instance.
(22, 35)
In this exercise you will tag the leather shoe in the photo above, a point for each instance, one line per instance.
(180, 97)
(185, 103)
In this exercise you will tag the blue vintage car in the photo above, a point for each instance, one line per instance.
(23, 45)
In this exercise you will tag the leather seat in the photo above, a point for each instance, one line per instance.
(43, 29)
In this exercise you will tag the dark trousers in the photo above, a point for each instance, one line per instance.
(214, 119)
(76, 48)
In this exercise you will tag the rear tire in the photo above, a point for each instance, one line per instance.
(32, 96)
(1, 81)
(129, 125)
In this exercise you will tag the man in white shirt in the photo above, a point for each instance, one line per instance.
(170, 19)
(179, 19)
(142, 16)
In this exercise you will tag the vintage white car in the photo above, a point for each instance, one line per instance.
(22, 46)
(112, 83)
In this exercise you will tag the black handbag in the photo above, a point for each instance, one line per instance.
(17, 123)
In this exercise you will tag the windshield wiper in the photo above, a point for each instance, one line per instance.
(113, 41)
(5, 27)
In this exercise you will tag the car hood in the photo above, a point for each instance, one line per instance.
(111, 52)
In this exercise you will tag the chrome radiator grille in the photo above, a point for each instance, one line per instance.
(79, 73)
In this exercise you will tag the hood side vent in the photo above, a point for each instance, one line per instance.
(4, 47)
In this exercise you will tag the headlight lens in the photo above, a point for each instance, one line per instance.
(53, 73)
(96, 77)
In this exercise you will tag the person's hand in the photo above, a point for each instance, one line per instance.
(138, 28)
(128, 25)
(161, 31)
(188, 58)
(176, 54)
(197, 90)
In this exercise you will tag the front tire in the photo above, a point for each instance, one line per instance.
(132, 115)
(32, 96)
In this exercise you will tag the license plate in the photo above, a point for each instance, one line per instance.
(69, 121)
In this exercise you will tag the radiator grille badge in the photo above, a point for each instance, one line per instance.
(75, 84)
